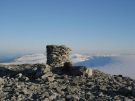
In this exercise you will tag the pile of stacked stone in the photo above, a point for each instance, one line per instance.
(38, 82)
(57, 56)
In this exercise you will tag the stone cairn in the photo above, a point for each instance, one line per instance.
(57, 56)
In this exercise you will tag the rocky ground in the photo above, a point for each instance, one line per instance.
(39, 83)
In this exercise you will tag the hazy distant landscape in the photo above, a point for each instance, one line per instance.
(67, 50)
(112, 64)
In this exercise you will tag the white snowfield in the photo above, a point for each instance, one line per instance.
(29, 59)
(112, 64)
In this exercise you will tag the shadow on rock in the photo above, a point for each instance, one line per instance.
(70, 70)
(6, 72)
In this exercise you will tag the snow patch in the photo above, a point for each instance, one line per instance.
(29, 59)
(112, 64)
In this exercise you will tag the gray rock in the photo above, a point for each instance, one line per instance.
(53, 96)
(57, 55)
(48, 74)
(126, 91)
(69, 98)
(133, 92)
(88, 72)
(70, 84)
(1, 81)
(36, 71)
(50, 79)
(46, 99)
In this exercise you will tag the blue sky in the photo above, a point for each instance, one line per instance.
(84, 25)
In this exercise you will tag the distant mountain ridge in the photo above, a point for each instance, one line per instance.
(112, 64)
(41, 58)
(30, 59)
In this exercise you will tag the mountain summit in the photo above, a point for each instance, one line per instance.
(62, 82)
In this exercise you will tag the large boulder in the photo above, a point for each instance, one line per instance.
(76, 70)
(36, 71)
(88, 72)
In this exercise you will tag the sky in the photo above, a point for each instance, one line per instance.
(84, 25)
